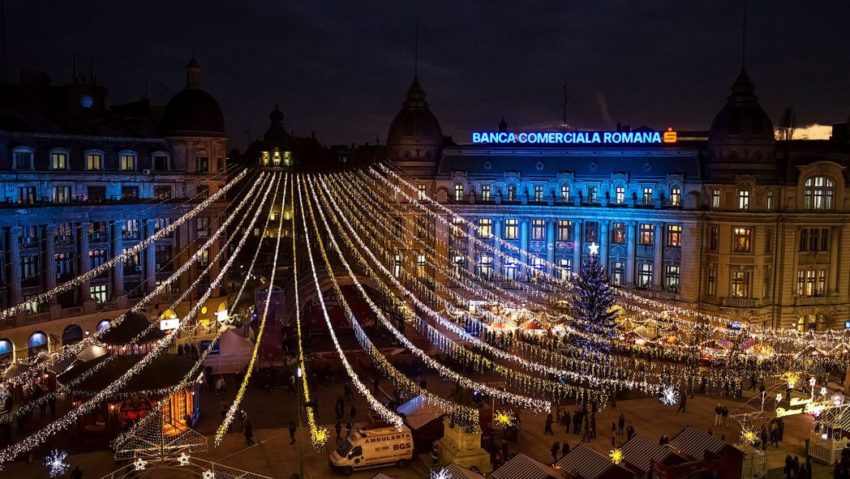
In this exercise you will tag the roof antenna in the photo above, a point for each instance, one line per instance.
(416, 54)
(564, 107)
(744, 40)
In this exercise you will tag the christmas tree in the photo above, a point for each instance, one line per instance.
(592, 303)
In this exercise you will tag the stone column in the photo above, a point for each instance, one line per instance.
(497, 245)
(83, 264)
(576, 245)
(471, 246)
(117, 249)
(441, 242)
(603, 243)
(550, 246)
(832, 281)
(631, 243)
(15, 257)
(150, 257)
(658, 260)
(523, 245)
(49, 268)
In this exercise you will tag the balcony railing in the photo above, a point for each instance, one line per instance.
(740, 302)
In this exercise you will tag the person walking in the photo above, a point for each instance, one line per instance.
(565, 449)
(586, 435)
(621, 424)
(724, 414)
(683, 400)
(547, 429)
(292, 429)
(219, 384)
(76, 473)
(630, 432)
(565, 421)
(717, 412)
(248, 432)
(338, 429)
(556, 447)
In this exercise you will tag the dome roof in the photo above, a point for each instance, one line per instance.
(742, 117)
(276, 135)
(415, 124)
(193, 112)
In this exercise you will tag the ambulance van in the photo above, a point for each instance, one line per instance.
(368, 448)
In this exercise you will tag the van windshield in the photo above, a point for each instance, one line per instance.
(344, 448)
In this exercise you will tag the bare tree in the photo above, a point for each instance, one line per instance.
(787, 124)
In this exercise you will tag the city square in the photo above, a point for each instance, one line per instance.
(453, 296)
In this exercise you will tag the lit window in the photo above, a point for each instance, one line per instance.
(538, 229)
(458, 265)
(22, 159)
(129, 192)
(644, 275)
(63, 264)
(29, 267)
(160, 224)
(711, 282)
(647, 234)
(485, 228)
(647, 196)
(512, 193)
(30, 305)
(743, 199)
(485, 193)
(162, 192)
(740, 284)
(26, 195)
(769, 200)
(96, 257)
(420, 265)
(132, 259)
(538, 193)
(617, 274)
(510, 269)
(818, 193)
(485, 266)
(58, 160)
(591, 195)
(565, 230)
(811, 282)
(456, 229)
(620, 195)
(715, 198)
(565, 193)
(94, 161)
(202, 225)
(61, 194)
(98, 293)
(130, 230)
(742, 239)
(458, 192)
(202, 164)
(618, 233)
(591, 232)
(421, 190)
(675, 196)
(672, 277)
(674, 235)
(511, 229)
(127, 161)
(565, 266)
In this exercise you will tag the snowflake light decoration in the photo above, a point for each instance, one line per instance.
(140, 464)
(441, 474)
(183, 459)
(616, 456)
(320, 437)
(504, 419)
(55, 463)
(749, 436)
(669, 396)
(209, 474)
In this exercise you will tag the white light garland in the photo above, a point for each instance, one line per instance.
(234, 406)
(132, 251)
(374, 404)
(669, 395)
(159, 346)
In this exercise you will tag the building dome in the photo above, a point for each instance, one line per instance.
(193, 112)
(415, 131)
(742, 117)
(276, 134)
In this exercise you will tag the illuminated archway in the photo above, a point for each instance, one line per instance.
(37, 342)
(7, 351)
(72, 334)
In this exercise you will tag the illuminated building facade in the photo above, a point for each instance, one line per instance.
(80, 182)
(728, 221)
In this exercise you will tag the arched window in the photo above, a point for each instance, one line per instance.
(818, 193)
(37, 342)
(7, 350)
(103, 325)
(128, 160)
(72, 334)
(22, 158)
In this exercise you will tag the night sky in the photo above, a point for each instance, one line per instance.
(341, 68)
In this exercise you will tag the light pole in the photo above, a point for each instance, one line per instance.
(300, 428)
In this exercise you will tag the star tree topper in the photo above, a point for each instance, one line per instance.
(594, 249)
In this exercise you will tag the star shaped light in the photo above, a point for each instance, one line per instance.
(669, 395)
(209, 474)
(55, 463)
(441, 474)
(183, 459)
(140, 464)
(594, 248)
(504, 419)
(616, 456)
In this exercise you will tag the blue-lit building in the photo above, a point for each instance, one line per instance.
(82, 181)
(729, 220)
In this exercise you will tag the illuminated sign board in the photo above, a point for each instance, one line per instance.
(169, 324)
(809, 407)
(575, 138)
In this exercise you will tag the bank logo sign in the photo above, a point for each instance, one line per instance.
(576, 138)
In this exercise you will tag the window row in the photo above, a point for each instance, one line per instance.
(589, 195)
(564, 231)
(23, 158)
(28, 195)
(818, 194)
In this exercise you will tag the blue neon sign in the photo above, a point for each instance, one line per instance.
(575, 137)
